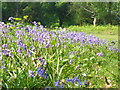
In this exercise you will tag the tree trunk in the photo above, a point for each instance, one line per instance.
(109, 13)
(94, 21)
(104, 22)
(1, 11)
(17, 7)
(60, 22)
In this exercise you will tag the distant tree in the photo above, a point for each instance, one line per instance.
(13, 9)
(64, 13)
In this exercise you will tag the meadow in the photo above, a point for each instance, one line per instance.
(37, 57)
(108, 32)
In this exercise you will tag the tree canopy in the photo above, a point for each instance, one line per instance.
(64, 13)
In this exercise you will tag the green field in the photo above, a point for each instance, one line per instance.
(104, 32)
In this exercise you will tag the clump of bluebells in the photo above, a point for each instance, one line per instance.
(44, 37)
(31, 73)
(42, 72)
(64, 83)
(5, 50)
(74, 80)
(43, 62)
(58, 85)
(66, 53)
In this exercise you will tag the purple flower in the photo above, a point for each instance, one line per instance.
(10, 18)
(48, 87)
(77, 67)
(27, 29)
(79, 83)
(100, 54)
(3, 67)
(110, 47)
(34, 39)
(42, 61)
(19, 51)
(29, 52)
(24, 46)
(86, 83)
(42, 73)
(32, 48)
(72, 80)
(46, 76)
(48, 45)
(116, 50)
(41, 27)
(5, 46)
(6, 52)
(57, 84)
(35, 23)
(20, 44)
(31, 73)
(2, 61)
(71, 61)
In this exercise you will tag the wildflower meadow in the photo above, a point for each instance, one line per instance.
(37, 57)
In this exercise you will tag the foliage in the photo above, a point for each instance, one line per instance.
(64, 13)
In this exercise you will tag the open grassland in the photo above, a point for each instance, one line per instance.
(107, 32)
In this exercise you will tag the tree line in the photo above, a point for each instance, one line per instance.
(64, 13)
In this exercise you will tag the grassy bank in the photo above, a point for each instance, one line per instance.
(35, 57)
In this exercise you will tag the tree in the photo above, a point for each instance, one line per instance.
(62, 9)
(64, 13)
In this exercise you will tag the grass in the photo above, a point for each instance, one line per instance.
(107, 37)
(107, 32)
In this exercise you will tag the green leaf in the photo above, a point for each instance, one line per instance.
(61, 70)
(25, 17)
(92, 58)
(18, 19)
(39, 23)
(86, 59)
(65, 60)
(71, 56)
